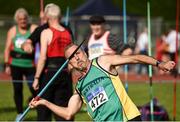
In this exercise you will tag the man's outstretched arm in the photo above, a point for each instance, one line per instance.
(134, 59)
(67, 113)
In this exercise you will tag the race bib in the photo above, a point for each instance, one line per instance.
(97, 98)
(95, 51)
(19, 42)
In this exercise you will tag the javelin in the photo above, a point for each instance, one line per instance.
(125, 41)
(50, 81)
(176, 60)
(149, 53)
(67, 16)
(41, 9)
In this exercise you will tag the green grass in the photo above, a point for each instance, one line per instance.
(3, 33)
(139, 92)
(7, 106)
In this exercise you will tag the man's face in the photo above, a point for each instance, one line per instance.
(22, 20)
(97, 29)
(79, 60)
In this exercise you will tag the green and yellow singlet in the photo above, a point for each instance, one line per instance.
(105, 96)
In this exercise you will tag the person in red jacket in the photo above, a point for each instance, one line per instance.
(53, 41)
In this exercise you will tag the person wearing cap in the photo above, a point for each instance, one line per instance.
(102, 41)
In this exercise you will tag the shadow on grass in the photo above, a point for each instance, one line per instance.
(7, 109)
(30, 118)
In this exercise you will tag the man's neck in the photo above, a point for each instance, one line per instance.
(84, 72)
(54, 23)
(22, 30)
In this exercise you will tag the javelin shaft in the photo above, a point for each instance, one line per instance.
(41, 5)
(149, 53)
(45, 88)
(125, 41)
(55, 75)
(41, 9)
(24, 114)
(51, 81)
(67, 16)
(124, 22)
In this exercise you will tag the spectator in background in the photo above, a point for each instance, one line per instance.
(142, 48)
(18, 63)
(171, 42)
(29, 45)
(162, 50)
(160, 47)
(102, 41)
(53, 41)
(34, 38)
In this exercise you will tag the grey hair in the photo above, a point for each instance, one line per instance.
(52, 11)
(21, 10)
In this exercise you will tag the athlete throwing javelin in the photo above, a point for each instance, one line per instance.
(100, 87)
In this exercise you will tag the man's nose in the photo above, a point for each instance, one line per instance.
(76, 57)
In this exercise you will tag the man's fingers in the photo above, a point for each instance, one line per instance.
(169, 66)
(172, 63)
(33, 102)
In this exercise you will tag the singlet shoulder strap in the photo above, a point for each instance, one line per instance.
(95, 63)
(77, 91)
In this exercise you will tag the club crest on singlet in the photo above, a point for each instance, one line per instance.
(19, 42)
(96, 98)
